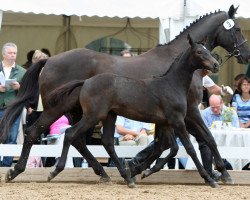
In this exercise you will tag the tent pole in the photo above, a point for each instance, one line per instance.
(66, 24)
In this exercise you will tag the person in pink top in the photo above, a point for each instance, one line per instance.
(59, 125)
(58, 129)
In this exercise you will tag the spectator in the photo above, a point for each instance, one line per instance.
(213, 112)
(34, 110)
(236, 83)
(241, 102)
(130, 132)
(46, 51)
(10, 70)
(29, 59)
(126, 53)
(56, 136)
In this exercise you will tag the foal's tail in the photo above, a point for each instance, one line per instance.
(60, 92)
(29, 88)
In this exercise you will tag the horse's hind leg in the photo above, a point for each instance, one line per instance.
(145, 158)
(200, 130)
(30, 136)
(80, 144)
(108, 143)
(75, 132)
(171, 139)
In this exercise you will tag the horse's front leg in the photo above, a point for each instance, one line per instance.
(108, 143)
(197, 127)
(180, 130)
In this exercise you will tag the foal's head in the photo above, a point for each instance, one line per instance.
(201, 56)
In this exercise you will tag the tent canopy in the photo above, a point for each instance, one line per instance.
(124, 8)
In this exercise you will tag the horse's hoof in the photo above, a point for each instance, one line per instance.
(51, 176)
(8, 176)
(131, 184)
(227, 180)
(212, 183)
(145, 174)
(105, 179)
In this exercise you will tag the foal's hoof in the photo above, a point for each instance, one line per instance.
(51, 176)
(9, 175)
(105, 179)
(227, 180)
(131, 182)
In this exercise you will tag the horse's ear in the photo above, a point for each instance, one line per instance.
(190, 40)
(204, 41)
(232, 11)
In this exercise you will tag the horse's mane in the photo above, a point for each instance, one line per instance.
(187, 28)
(176, 60)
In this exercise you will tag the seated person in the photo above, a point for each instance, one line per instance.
(241, 102)
(34, 161)
(130, 132)
(213, 112)
(56, 136)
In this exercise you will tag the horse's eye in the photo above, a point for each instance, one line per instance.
(237, 29)
(199, 51)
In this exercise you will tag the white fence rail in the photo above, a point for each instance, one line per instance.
(122, 151)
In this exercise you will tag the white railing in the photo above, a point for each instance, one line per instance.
(122, 151)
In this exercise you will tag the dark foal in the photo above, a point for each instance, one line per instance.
(81, 64)
(162, 100)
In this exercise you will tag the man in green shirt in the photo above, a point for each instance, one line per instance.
(10, 77)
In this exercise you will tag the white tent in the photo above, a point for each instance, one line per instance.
(122, 8)
(173, 15)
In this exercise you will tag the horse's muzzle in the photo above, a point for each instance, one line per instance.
(216, 67)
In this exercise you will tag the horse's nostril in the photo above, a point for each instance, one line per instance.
(216, 65)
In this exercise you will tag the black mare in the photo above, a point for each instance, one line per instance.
(162, 100)
(80, 64)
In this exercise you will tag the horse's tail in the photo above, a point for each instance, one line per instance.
(60, 92)
(29, 87)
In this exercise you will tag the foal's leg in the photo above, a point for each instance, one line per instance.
(108, 143)
(149, 154)
(31, 135)
(71, 134)
(199, 129)
(80, 144)
(180, 131)
(173, 151)
(162, 141)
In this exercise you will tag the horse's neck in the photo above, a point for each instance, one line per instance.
(181, 72)
(205, 27)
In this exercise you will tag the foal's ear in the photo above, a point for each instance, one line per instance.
(232, 11)
(190, 40)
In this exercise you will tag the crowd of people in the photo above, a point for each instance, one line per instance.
(127, 131)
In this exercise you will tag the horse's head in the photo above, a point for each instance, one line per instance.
(230, 37)
(202, 57)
